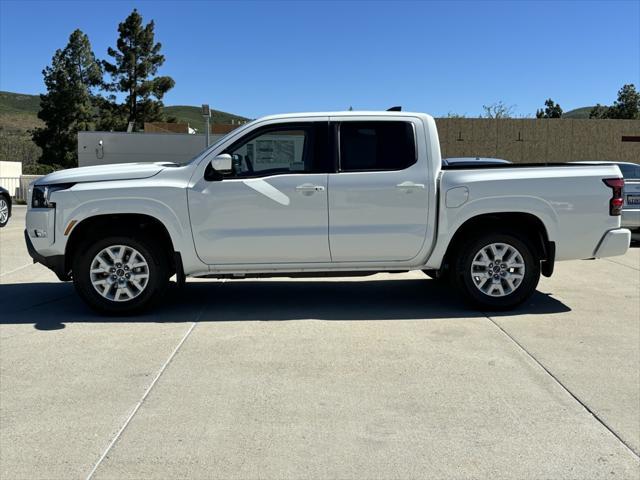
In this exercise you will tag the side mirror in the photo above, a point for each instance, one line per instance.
(221, 163)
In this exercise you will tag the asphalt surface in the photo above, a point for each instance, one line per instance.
(386, 377)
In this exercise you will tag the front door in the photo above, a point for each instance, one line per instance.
(272, 208)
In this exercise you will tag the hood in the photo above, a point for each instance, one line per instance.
(101, 173)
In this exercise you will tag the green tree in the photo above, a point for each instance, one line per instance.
(136, 61)
(599, 111)
(627, 106)
(68, 106)
(551, 110)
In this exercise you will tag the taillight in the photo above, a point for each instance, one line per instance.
(616, 202)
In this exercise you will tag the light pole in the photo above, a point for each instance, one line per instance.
(206, 113)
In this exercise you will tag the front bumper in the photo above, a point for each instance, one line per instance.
(615, 242)
(55, 263)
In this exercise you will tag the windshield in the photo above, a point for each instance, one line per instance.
(220, 140)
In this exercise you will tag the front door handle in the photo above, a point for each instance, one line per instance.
(410, 186)
(309, 188)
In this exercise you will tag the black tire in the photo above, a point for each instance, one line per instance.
(158, 279)
(7, 204)
(463, 279)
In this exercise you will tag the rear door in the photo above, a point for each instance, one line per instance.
(378, 199)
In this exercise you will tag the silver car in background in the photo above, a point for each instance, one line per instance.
(630, 194)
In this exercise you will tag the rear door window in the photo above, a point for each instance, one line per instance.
(375, 146)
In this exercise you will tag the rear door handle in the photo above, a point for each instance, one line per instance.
(410, 186)
(309, 188)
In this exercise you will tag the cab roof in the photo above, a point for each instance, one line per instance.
(347, 113)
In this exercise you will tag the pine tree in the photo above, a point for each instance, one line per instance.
(68, 106)
(135, 63)
(551, 110)
(627, 106)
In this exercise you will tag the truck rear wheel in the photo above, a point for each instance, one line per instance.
(120, 275)
(497, 271)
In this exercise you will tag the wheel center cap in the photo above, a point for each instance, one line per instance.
(496, 268)
(120, 272)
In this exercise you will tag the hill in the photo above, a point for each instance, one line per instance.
(192, 116)
(19, 116)
(18, 111)
(582, 112)
(19, 103)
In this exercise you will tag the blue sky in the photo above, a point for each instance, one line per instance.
(256, 58)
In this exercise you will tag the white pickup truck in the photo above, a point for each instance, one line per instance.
(346, 193)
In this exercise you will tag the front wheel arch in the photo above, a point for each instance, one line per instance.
(100, 226)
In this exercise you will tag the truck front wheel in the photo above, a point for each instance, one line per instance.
(120, 275)
(497, 271)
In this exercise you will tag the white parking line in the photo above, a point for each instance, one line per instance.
(621, 264)
(15, 269)
(573, 395)
(144, 396)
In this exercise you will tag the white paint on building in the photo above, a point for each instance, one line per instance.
(10, 173)
(102, 148)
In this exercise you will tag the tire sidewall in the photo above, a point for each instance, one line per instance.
(158, 276)
(2, 224)
(529, 283)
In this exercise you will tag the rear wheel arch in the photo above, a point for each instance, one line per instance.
(527, 226)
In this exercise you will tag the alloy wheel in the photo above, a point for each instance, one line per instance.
(497, 269)
(4, 211)
(119, 273)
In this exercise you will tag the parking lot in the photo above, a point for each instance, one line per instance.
(385, 377)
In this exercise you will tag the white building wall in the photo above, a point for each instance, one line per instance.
(120, 147)
(10, 173)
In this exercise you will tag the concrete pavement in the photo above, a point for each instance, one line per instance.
(388, 377)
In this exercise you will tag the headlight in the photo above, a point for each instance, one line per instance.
(41, 196)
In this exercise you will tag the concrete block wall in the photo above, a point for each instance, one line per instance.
(539, 140)
(517, 140)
